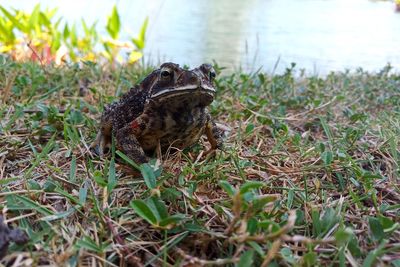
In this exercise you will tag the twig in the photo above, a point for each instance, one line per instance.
(272, 252)
(108, 263)
(216, 262)
(17, 192)
(37, 55)
(132, 260)
(7, 88)
(306, 240)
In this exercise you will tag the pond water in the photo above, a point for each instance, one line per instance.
(319, 35)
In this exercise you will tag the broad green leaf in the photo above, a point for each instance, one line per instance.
(6, 33)
(128, 160)
(72, 170)
(28, 204)
(250, 185)
(149, 175)
(246, 259)
(9, 180)
(173, 219)
(113, 23)
(34, 19)
(310, 258)
(374, 254)
(326, 128)
(112, 178)
(316, 223)
(387, 224)
(50, 12)
(249, 196)
(327, 157)
(141, 208)
(85, 27)
(329, 219)
(70, 197)
(271, 226)
(171, 194)
(396, 263)
(66, 32)
(83, 193)
(54, 26)
(287, 255)
(256, 247)
(299, 217)
(56, 44)
(342, 236)
(252, 225)
(227, 187)
(49, 186)
(73, 36)
(99, 179)
(249, 128)
(140, 41)
(12, 18)
(260, 201)
(376, 228)
(158, 208)
(143, 30)
(89, 244)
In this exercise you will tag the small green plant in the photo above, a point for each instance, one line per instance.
(154, 211)
(38, 36)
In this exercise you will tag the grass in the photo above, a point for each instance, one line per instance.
(309, 175)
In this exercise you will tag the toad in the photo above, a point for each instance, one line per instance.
(168, 109)
(8, 235)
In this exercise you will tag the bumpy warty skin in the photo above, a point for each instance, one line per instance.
(167, 109)
(8, 235)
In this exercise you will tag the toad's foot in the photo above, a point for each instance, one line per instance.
(101, 145)
(127, 142)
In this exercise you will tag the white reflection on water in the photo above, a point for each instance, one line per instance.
(319, 35)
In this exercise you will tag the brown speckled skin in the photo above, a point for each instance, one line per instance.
(8, 235)
(168, 108)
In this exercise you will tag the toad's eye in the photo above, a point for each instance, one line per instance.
(165, 73)
(212, 75)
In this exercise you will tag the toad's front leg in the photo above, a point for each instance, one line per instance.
(214, 135)
(101, 145)
(127, 141)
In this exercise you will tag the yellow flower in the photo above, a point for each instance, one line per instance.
(135, 56)
(6, 48)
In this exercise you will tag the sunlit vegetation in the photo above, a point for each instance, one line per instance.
(309, 175)
(43, 36)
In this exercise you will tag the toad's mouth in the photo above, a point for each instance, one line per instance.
(184, 90)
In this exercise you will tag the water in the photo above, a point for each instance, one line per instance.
(319, 35)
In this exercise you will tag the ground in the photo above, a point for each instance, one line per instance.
(309, 174)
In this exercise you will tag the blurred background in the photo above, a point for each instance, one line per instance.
(318, 35)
